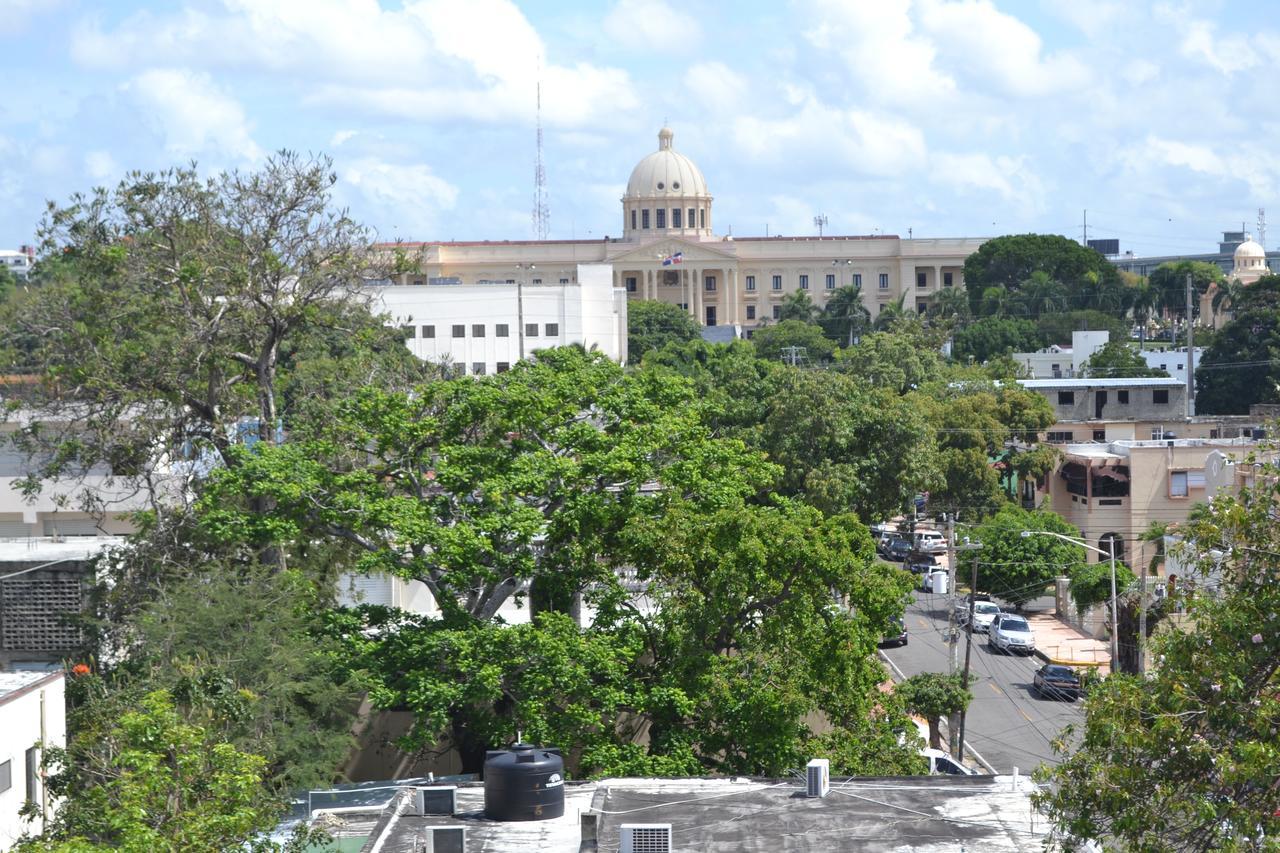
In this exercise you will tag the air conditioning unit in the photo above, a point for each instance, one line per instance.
(817, 777)
(444, 839)
(436, 800)
(645, 838)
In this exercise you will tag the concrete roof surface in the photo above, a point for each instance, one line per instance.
(15, 681)
(918, 813)
(1135, 382)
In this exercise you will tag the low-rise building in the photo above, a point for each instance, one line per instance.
(33, 718)
(1071, 362)
(489, 325)
(18, 262)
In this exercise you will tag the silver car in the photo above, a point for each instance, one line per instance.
(984, 613)
(1011, 633)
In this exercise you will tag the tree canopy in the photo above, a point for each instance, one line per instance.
(1017, 568)
(1184, 759)
(989, 337)
(652, 325)
(1240, 367)
(770, 341)
(1118, 360)
(1071, 276)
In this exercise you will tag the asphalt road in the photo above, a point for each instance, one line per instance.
(1007, 723)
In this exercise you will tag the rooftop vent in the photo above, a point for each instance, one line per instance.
(646, 838)
(438, 800)
(817, 777)
(443, 839)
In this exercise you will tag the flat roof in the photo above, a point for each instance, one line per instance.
(935, 813)
(16, 682)
(1136, 382)
(45, 549)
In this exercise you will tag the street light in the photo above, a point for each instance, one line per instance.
(1110, 554)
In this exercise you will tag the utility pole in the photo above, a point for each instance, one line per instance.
(1191, 367)
(953, 637)
(1142, 615)
(1085, 226)
(968, 648)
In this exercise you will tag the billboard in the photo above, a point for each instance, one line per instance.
(1105, 247)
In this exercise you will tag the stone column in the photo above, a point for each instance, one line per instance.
(698, 313)
(648, 284)
(937, 277)
(734, 299)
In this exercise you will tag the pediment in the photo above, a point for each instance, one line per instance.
(653, 251)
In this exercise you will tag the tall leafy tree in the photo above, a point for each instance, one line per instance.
(1019, 568)
(1240, 367)
(1118, 360)
(1184, 759)
(1010, 262)
(933, 696)
(1169, 281)
(772, 342)
(652, 325)
(845, 317)
(990, 337)
(900, 360)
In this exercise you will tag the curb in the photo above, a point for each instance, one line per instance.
(1097, 664)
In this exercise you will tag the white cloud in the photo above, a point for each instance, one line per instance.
(983, 40)
(473, 59)
(716, 86)
(194, 115)
(649, 24)
(101, 166)
(880, 48)
(1008, 177)
(408, 197)
(341, 137)
(869, 143)
(1139, 72)
(16, 14)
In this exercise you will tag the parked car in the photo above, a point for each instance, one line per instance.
(934, 581)
(897, 635)
(941, 762)
(1057, 681)
(898, 550)
(984, 613)
(882, 534)
(919, 564)
(1010, 632)
(930, 541)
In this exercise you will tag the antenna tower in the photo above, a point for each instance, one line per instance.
(1262, 227)
(541, 211)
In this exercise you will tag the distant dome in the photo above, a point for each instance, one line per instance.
(666, 174)
(1249, 249)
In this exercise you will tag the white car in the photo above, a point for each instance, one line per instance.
(1010, 632)
(930, 542)
(984, 613)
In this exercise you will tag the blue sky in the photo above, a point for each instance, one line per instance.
(946, 117)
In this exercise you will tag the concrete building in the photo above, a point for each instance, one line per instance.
(933, 813)
(669, 251)
(18, 262)
(32, 712)
(1061, 362)
(1224, 258)
(487, 326)
(1115, 489)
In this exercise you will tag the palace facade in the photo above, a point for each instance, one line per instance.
(669, 251)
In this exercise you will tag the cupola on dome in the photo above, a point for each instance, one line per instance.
(666, 173)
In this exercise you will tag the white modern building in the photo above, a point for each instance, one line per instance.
(669, 251)
(18, 262)
(32, 712)
(489, 325)
(1061, 362)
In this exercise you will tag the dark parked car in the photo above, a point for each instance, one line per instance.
(1057, 681)
(897, 634)
(918, 563)
(899, 550)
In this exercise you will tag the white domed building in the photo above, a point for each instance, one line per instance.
(1250, 262)
(669, 251)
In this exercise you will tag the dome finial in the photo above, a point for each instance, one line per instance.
(664, 138)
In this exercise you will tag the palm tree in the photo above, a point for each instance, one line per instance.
(1144, 300)
(1226, 295)
(950, 302)
(891, 313)
(1041, 294)
(798, 306)
(845, 312)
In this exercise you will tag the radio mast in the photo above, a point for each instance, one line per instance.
(541, 211)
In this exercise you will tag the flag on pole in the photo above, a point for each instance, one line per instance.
(673, 259)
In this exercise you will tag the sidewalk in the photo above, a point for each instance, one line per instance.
(1058, 642)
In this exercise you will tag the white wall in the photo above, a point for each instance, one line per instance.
(589, 312)
(20, 729)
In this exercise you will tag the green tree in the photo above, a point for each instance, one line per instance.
(1240, 368)
(1184, 759)
(899, 361)
(845, 317)
(891, 314)
(990, 337)
(1018, 568)
(166, 784)
(844, 447)
(771, 341)
(8, 284)
(1091, 583)
(1118, 360)
(1057, 328)
(1169, 281)
(475, 486)
(950, 302)
(1087, 278)
(732, 386)
(652, 325)
(933, 696)
(798, 306)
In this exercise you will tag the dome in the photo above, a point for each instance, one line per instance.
(1249, 249)
(666, 174)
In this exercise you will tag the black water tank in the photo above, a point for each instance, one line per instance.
(523, 783)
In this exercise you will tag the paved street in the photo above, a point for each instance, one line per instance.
(1007, 723)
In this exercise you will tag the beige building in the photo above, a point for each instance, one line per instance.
(669, 251)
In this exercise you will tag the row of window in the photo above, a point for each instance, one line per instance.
(500, 330)
(709, 284)
(1159, 397)
(922, 279)
(696, 214)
